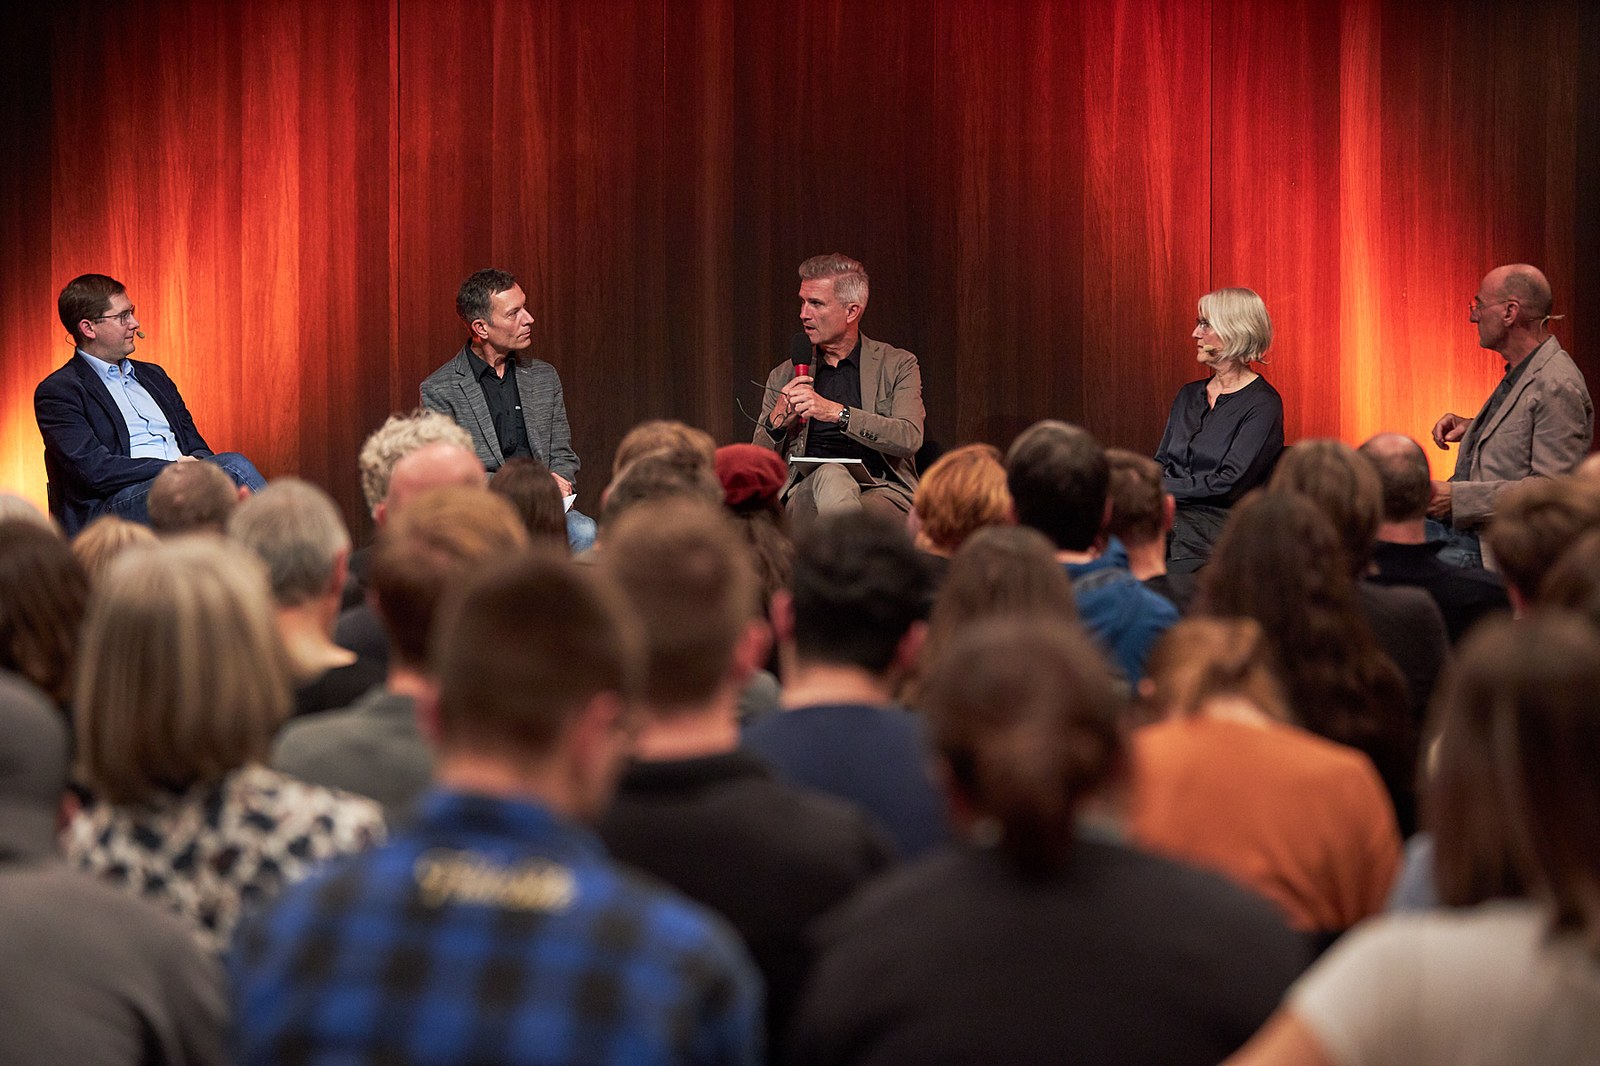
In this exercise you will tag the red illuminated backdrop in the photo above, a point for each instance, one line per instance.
(293, 190)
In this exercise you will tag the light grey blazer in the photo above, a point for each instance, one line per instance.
(452, 390)
(1543, 429)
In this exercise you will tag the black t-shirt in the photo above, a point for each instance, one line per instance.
(768, 857)
(1122, 958)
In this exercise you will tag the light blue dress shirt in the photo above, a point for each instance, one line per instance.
(150, 435)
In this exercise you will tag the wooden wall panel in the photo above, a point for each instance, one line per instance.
(1275, 196)
(293, 191)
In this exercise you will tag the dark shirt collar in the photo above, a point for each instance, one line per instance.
(676, 775)
(480, 366)
(854, 356)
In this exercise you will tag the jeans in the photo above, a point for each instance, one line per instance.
(129, 503)
(580, 531)
(1461, 546)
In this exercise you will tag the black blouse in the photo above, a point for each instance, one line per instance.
(1214, 455)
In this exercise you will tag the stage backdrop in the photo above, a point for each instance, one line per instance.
(293, 190)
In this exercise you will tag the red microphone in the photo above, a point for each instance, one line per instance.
(800, 355)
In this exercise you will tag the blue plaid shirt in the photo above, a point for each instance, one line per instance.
(490, 932)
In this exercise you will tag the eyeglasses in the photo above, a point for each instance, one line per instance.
(1476, 307)
(124, 318)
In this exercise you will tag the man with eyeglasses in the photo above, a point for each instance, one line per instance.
(111, 424)
(1538, 422)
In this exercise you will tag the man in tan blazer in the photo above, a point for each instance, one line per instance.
(861, 399)
(1539, 422)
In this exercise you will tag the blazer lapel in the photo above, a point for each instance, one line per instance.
(1536, 361)
(528, 396)
(96, 388)
(871, 370)
(472, 396)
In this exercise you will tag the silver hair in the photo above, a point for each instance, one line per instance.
(850, 282)
(296, 530)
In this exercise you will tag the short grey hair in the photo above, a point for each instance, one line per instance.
(849, 276)
(1240, 319)
(296, 529)
(398, 437)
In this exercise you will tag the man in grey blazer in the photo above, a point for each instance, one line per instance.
(861, 399)
(1538, 422)
(521, 412)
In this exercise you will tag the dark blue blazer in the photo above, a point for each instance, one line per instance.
(86, 441)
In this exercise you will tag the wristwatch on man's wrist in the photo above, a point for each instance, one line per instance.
(844, 419)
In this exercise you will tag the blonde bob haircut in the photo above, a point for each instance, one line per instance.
(963, 492)
(1240, 319)
(181, 677)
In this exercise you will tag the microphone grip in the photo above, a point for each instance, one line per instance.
(801, 370)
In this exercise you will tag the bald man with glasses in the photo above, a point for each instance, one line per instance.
(1539, 421)
(111, 424)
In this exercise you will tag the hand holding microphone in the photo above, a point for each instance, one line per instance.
(800, 355)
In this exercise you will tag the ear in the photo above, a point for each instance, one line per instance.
(782, 614)
(380, 513)
(852, 313)
(1169, 512)
(479, 328)
(750, 651)
(1105, 515)
(426, 711)
(85, 330)
(595, 747)
(909, 649)
(956, 801)
(341, 573)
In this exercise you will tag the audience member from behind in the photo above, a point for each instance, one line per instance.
(91, 975)
(1405, 621)
(1059, 478)
(962, 492)
(1534, 523)
(43, 595)
(192, 498)
(427, 467)
(1000, 571)
(106, 538)
(1280, 563)
(751, 478)
(526, 484)
(181, 685)
(848, 634)
(1506, 980)
(399, 436)
(711, 820)
(295, 528)
(1404, 555)
(1225, 431)
(376, 747)
(1141, 517)
(662, 434)
(1222, 780)
(676, 473)
(14, 507)
(494, 928)
(1036, 939)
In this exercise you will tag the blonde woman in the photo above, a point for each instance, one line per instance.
(1226, 430)
(181, 685)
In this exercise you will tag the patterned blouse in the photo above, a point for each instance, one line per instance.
(215, 852)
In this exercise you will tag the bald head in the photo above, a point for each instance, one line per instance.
(1402, 468)
(191, 497)
(1525, 284)
(431, 466)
